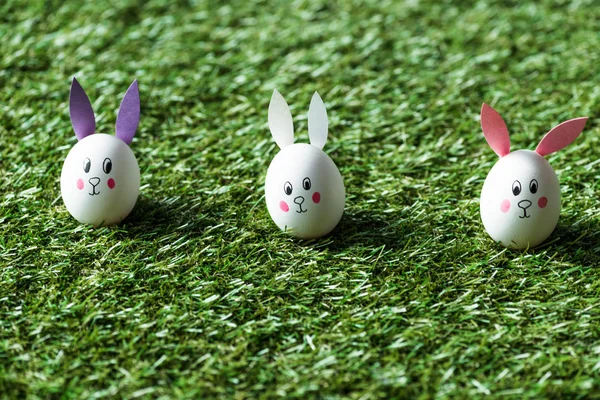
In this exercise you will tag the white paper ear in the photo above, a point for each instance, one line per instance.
(317, 122)
(280, 121)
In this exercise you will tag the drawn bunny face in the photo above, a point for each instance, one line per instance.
(304, 190)
(100, 178)
(520, 199)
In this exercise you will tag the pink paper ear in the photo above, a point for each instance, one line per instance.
(561, 136)
(495, 130)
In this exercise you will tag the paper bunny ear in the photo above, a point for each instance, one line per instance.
(280, 121)
(80, 109)
(561, 136)
(129, 114)
(495, 130)
(317, 122)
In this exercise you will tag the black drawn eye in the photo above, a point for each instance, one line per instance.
(533, 186)
(87, 164)
(306, 183)
(287, 188)
(516, 188)
(107, 165)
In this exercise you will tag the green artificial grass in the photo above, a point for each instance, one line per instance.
(199, 295)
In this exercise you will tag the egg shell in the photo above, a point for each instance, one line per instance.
(526, 219)
(306, 214)
(96, 197)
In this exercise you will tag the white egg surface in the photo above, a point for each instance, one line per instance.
(520, 200)
(100, 180)
(304, 191)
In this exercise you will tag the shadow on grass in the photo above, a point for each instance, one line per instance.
(160, 218)
(582, 235)
(366, 229)
(579, 242)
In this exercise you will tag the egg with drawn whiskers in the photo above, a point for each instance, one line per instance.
(100, 178)
(304, 189)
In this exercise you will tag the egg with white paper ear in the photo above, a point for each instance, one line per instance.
(304, 189)
(520, 199)
(100, 178)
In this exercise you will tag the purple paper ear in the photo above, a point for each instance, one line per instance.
(495, 130)
(129, 114)
(80, 109)
(561, 136)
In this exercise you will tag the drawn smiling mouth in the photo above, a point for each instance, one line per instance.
(524, 205)
(524, 215)
(299, 201)
(94, 181)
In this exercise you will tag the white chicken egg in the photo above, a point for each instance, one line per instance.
(100, 178)
(304, 189)
(520, 198)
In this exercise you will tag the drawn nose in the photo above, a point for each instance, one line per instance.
(524, 204)
(299, 200)
(94, 181)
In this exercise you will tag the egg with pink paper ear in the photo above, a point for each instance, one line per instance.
(304, 189)
(100, 178)
(520, 199)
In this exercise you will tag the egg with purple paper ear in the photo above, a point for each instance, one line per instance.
(520, 198)
(100, 178)
(304, 189)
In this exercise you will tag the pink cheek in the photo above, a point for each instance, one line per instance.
(543, 202)
(111, 183)
(80, 184)
(316, 197)
(284, 207)
(505, 205)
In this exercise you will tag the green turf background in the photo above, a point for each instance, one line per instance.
(197, 294)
